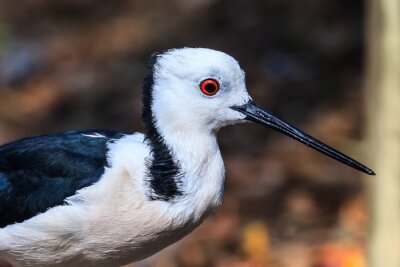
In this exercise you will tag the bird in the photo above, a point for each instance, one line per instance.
(109, 198)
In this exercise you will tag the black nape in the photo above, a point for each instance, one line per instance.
(164, 171)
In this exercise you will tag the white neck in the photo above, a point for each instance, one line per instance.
(198, 155)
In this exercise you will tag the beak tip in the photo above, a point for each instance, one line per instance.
(371, 172)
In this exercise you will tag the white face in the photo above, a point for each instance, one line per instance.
(178, 98)
(181, 107)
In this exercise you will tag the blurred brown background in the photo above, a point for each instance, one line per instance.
(72, 64)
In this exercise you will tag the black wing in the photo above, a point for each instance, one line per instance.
(38, 173)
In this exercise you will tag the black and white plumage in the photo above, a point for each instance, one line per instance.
(40, 172)
(102, 198)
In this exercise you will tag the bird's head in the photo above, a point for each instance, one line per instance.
(192, 90)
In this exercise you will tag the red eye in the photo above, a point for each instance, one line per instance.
(209, 87)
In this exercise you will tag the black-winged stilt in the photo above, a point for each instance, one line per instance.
(104, 198)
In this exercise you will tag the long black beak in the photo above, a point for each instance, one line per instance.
(259, 115)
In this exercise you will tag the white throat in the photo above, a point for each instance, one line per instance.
(201, 166)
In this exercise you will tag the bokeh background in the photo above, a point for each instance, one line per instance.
(75, 64)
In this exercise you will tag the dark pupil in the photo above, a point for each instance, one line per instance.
(210, 88)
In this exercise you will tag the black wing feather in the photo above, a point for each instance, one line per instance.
(38, 173)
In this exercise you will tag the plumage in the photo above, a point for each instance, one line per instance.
(40, 172)
(163, 170)
(102, 198)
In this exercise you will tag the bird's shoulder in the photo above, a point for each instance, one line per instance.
(34, 153)
(40, 172)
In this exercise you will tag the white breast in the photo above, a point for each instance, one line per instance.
(112, 222)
